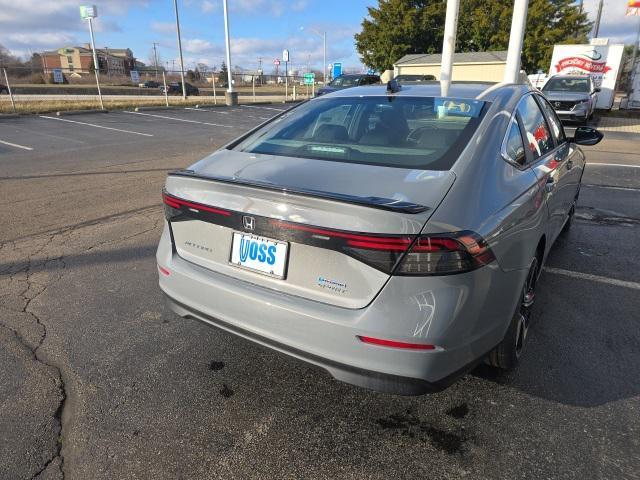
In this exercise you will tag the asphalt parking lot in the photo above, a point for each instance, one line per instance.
(100, 380)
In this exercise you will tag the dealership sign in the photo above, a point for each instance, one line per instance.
(602, 62)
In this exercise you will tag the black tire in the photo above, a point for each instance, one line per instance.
(509, 351)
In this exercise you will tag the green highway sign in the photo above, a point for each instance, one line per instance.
(88, 11)
(309, 78)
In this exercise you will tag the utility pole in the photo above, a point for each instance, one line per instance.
(518, 24)
(633, 73)
(184, 91)
(155, 58)
(596, 28)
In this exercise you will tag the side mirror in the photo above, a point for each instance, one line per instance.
(587, 136)
(597, 89)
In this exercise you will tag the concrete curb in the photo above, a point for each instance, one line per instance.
(64, 113)
(9, 115)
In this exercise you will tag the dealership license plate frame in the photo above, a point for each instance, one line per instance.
(285, 265)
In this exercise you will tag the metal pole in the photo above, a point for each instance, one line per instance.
(226, 42)
(633, 60)
(286, 80)
(596, 28)
(253, 86)
(155, 59)
(166, 95)
(518, 24)
(213, 82)
(184, 91)
(96, 65)
(6, 79)
(449, 45)
(324, 57)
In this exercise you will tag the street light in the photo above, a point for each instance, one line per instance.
(230, 95)
(324, 52)
(175, 7)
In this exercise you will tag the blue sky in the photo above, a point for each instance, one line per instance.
(260, 28)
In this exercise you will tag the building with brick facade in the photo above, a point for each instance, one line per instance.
(79, 60)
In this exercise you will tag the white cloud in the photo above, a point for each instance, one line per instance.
(163, 27)
(207, 6)
(614, 24)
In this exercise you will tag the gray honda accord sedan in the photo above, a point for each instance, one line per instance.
(387, 234)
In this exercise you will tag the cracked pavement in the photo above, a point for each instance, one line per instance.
(100, 381)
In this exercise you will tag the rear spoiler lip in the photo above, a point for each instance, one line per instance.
(372, 202)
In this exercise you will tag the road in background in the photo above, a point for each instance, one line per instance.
(105, 382)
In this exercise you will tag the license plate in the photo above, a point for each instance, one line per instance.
(259, 254)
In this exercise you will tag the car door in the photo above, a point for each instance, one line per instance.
(573, 164)
(549, 162)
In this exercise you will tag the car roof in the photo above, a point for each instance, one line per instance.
(573, 75)
(476, 90)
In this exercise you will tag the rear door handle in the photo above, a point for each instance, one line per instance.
(550, 185)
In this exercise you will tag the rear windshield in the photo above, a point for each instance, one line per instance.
(406, 132)
(574, 85)
(343, 81)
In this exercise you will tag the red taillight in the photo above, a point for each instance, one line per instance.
(446, 254)
(178, 203)
(164, 271)
(393, 344)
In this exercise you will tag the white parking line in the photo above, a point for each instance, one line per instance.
(96, 126)
(265, 108)
(593, 278)
(205, 110)
(16, 145)
(595, 164)
(179, 119)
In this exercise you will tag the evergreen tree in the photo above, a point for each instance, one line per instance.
(399, 27)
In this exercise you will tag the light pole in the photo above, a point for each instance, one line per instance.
(231, 97)
(518, 23)
(448, 45)
(175, 7)
(155, 58)
(596, 28)
(324, 52)
(89, 13)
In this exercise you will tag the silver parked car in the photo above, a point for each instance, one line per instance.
(574, 97)
(388, 235)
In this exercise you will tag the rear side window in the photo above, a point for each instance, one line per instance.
(538, 137)
(407, 132)
(514, 145)
(554, 122)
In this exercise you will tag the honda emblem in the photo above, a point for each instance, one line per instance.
(249, 223)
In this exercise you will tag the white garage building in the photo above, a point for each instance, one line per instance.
(486, 66)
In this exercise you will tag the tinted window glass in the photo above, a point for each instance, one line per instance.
(408, 132)
(554, 121)
(343, 81)
(515, 145)
(576, 85)
(538, 137)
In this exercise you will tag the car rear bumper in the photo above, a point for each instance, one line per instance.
(464, 315)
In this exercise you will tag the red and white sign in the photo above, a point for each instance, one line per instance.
(602, 62)
(276, 62)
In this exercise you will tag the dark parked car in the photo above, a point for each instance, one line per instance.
(149, 84)
(348, 81)
(3, 88)
(175, 88)
(573, 97)
(414, 78)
